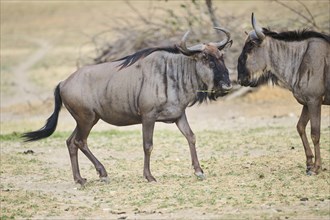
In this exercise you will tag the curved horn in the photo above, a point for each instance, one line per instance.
(223, 42)
(257, 29)
(191, 50)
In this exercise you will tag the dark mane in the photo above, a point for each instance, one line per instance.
(299, 35)
(131, 59)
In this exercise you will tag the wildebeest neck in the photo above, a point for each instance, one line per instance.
(280, 52)
(181, 78)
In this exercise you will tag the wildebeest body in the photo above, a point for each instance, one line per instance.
(120, 97)
(312, 79)
(303, 67)
(155, 84)
(298, 61)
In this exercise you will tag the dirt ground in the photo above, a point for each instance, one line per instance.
(248, 147)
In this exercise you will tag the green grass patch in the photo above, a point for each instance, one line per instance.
(14, 136)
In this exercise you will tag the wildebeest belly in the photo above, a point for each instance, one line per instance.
(126, 114)
(119, 113)
(121, 119)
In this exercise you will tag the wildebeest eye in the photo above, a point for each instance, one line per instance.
(249, 46)
(251, 43)
(212, 64)
(256, 42)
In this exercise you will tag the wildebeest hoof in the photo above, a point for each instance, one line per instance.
(200, 176)
(81, 181)
(105, 179)
(309, 167)
(310, 173)
(151, 179)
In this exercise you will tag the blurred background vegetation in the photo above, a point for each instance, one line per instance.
(69, 34)
(163, 26)
(100, 31)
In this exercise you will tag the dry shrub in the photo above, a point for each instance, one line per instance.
(165, 27)
(153, 31)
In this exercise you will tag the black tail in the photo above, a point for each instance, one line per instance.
(51, 123)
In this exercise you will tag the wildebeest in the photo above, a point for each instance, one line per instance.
(151, 85)
(298, 61)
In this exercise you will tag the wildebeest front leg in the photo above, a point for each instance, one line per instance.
(301, 128)
(315, 117)
(185, 129)
(147, 130)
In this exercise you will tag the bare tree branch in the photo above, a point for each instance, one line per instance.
(311, 21)
(309, 12)
(214, 19)
(145, 20)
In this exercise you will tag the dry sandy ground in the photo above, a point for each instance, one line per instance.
(245, 179)
(258, 176)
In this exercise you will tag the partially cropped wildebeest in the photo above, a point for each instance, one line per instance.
(154, 84)
(298, 61)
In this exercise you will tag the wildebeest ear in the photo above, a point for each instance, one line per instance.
(226, 46)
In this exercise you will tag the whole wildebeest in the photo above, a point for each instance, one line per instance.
(298, 61)
(151, 85)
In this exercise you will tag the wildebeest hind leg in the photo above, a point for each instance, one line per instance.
(73, 150)
(83, 130)
(185, 129)
(315, 117)
(301, 128)
(147, 130)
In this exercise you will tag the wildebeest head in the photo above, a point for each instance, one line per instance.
(210, 65)
(252, 65)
